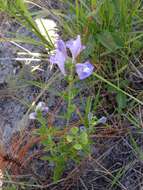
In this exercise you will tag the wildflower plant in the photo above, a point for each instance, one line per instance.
(61, 58)
(64, 145)
(71, 145)
(112, 33)
(68, 143)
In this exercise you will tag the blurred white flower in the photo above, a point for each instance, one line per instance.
(48, 29)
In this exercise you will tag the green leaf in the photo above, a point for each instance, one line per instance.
(74, 130)
(111, 41)
(121, 100)
(72, 108)
(74, 92)
(69, 138)
(46, 158)
(77, 146)
(41, 119)
(59, 168)
(84, 138)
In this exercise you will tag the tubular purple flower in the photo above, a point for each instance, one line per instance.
(61, 46)
(41, 106)
(33, 115)
(75, 47)
(60, 56)
(59, 59)
(84, 70)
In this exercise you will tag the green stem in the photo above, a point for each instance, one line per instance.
(117, 88)
(70, 79)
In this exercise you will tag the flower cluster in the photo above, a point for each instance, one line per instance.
(41, 106)
(60, 56)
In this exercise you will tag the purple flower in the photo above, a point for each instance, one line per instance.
(33, 115)
(84, 70)
(61, 46)
(60, 56)
(82, 128)
(75, 47)
(41, 106)
(102, 120)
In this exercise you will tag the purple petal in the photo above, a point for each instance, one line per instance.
(59, 58)
(75, 46)
(102, 120)
(32, 115)
(84, 70)
(42, 107)
(46, 109)
(82, 128)
(62, 47)
(52, 59)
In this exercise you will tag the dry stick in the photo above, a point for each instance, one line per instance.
(124, 188)
(83, 184)
(30, 185)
